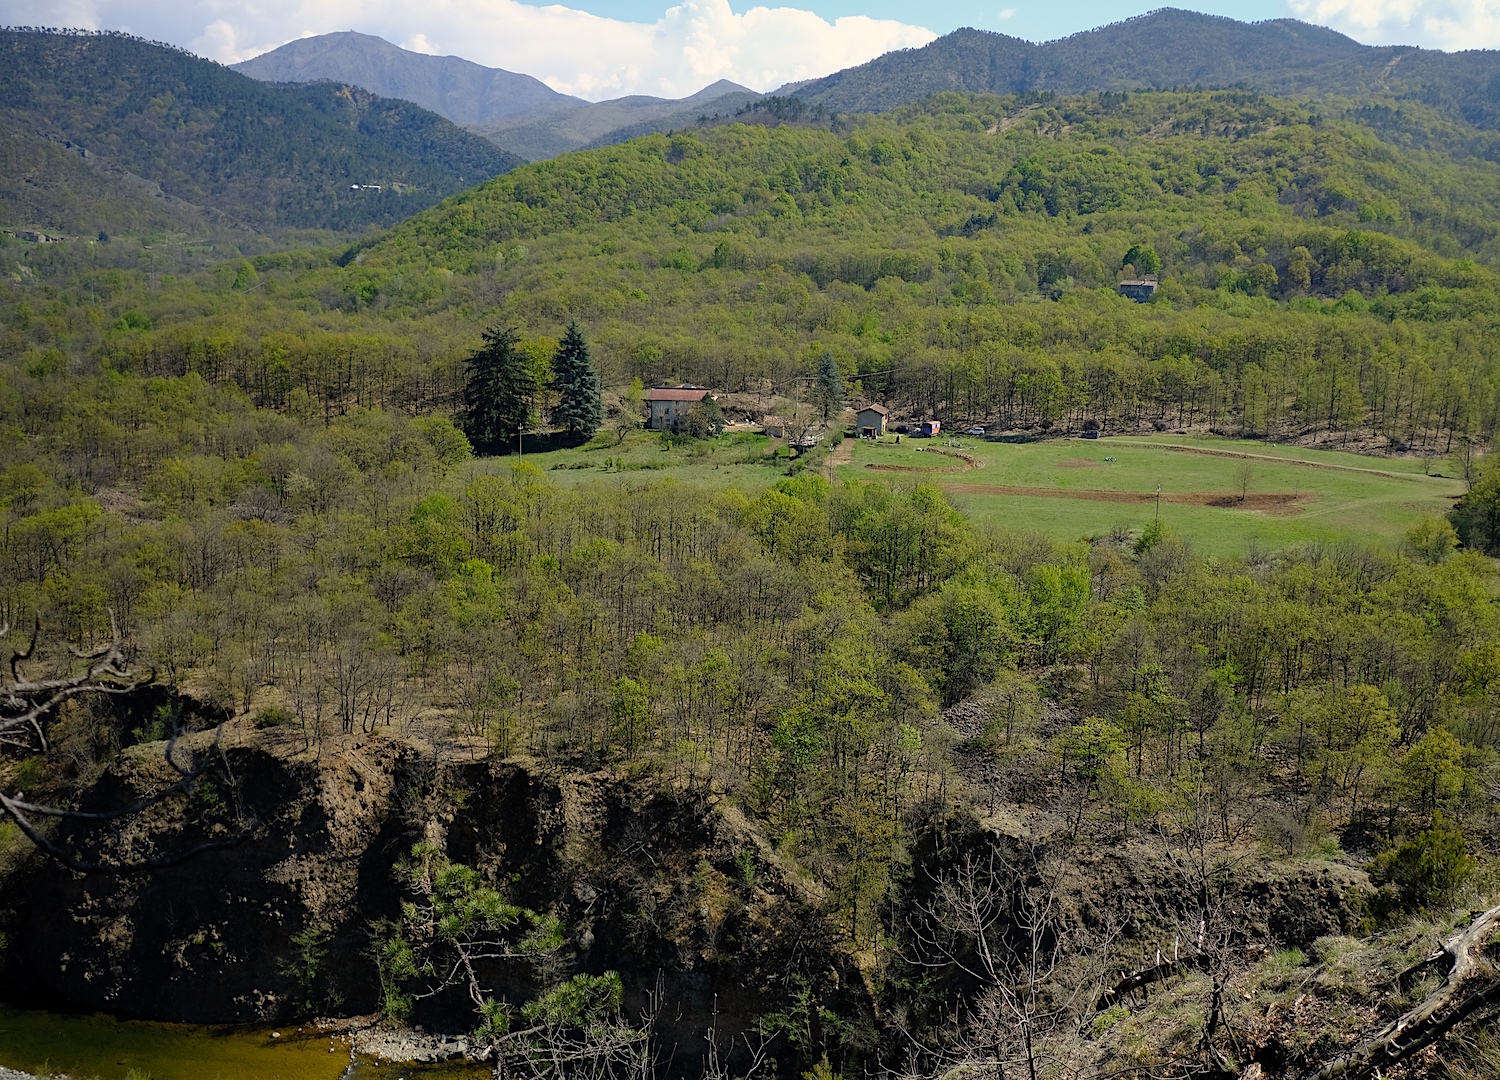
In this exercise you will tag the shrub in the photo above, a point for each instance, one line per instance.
(273, 717)
(1425, 872)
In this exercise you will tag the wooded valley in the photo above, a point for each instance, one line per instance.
(544, 754)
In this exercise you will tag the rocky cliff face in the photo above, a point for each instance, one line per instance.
(659, 884)
(672, 887)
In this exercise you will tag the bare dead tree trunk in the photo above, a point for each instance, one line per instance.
(29, 707)
(1471, 984)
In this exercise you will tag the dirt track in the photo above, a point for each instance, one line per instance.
(1268, 502)
(1272, 459)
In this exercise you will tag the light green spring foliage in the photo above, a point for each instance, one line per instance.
(176, 447)
(1316, 274)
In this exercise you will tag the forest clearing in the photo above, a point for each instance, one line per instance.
(1069, 488)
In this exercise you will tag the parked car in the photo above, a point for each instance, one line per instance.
(901, 429)
(976, 431)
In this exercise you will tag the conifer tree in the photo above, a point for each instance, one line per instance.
(497, 399)
(577, 385)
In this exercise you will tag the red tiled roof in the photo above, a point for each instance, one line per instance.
(676, 393)
(881, 409)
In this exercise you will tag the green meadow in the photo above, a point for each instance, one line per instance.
(740, 459)
(1074, 488)
(1290, 494)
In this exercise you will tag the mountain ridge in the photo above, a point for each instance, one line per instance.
(607, 123)
(518, 113)
(246, 153)
(461, 90)
(1165, 49)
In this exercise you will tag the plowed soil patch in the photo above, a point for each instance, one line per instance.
(1267, 502)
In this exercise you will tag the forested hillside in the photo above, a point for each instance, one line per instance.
(1173, 49)
(246, 153)
(959, 255)
(405, 128)
(918, 795)
(1202, 752)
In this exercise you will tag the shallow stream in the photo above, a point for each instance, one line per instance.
(100, 1047)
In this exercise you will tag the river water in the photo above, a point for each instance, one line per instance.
(102, 1048)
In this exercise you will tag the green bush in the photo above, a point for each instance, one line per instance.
(1423, 874)
(273, 717)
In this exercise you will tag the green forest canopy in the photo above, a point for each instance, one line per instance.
(1315, 275)
(252, 467)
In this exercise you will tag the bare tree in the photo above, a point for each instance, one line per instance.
(29, 709)
(801, 424)
(757, 1053)
(1244, 476)
(997, 920)
(1209, 935)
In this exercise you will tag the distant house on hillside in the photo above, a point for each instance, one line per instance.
(670, 404)
(1138, 289)
(774, 426)
(870, 421)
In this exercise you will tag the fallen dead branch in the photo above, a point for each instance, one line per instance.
(1150, 976)
(1471, 985)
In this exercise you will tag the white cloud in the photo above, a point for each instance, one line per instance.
(1007, 13)
(419, 43)
(1435, 24)
(573, 51)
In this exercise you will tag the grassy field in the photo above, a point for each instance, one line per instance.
(740, 459)
(1068, 488)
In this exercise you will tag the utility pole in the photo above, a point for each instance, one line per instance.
(1158, 500)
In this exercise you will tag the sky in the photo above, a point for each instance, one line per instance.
(600, 49)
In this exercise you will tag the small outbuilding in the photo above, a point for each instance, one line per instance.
(1138, 289)
(931, 428)
(774, 426)
(870, 421)
(670, 405)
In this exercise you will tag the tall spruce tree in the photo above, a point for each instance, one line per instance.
(497, 399)
(577, 385)
(830, 384)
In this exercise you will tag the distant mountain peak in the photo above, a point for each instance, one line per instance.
(718, 90)
(463, 91)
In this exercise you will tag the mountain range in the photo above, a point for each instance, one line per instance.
(517, 112)
(1165, 49)
(465, 92)
(1169, 49)
(107, 132)
(104, 132)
